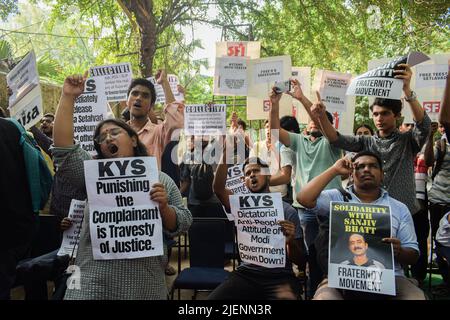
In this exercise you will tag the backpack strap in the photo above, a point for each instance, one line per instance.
(345, 194)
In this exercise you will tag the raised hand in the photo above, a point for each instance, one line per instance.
(318, 108)
(274, 96)
(297, 91)
(343, 166)
(405, 74)
(161, 76)
(74, 85)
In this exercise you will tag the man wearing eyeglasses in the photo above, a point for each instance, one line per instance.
(366, 169)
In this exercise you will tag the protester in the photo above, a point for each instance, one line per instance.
(314, 154)
(397, 150)
(250, 281)
(363, 130)
(141, 278)
(141, 99)
(367, 171)
(19, 222)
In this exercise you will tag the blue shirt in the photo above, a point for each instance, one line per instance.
(402, 226)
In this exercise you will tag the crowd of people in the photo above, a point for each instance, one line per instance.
(309, 168)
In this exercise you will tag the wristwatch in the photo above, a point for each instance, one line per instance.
(412, 97)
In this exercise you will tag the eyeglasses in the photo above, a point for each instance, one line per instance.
(362, 166)
(46, 120)
(113, 133)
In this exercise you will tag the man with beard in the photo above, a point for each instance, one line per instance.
(366, 169)
(314, 154)
(251, 281)
(47, 124)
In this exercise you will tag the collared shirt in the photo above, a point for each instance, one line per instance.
(397, 152)
(145, 135)
(402, 226)
(312, 158)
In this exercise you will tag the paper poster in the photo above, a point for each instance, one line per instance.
(431, 75)
(90, 108)
(235, 180)
(230, 77)
(117, 78)
(173, 83)
(25, 103)
(358, 258)
(303, 75)
(29, 110)
(205, 119)
(380, 82)
(71, 236)
(22, 78)
(264, 72)
(429, 97)
(332, 87)
(260, 239)
(248, 49)
(258, 108)
(267, 71)
(124, 222)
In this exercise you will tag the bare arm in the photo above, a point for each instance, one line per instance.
(309, 193)
(63, 126)
(282, 177)
(299, 95)
(274, 119)
(318, 113)
(220, 179)
(161, 78)
(406, 74)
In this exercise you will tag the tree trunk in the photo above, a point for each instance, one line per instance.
(143, 13)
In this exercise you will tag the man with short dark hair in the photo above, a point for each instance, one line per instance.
(397, 150)
(314, 154)
(358, 247)
(141, 99)
(251, 281)
(367, 172)
(47, 124)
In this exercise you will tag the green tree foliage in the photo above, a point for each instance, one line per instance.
(7, 7)
(341, 35)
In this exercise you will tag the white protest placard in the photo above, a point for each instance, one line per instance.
(22, 78)
(249, 49)
(29, 110)
(235, 180)
(230, 78)
(71, 236)
(260, 239)
(267, 71)
(205, 119)
(117, 78)
(332, 88)
(124, 222)
(379, 82)
(303, 75)
(90, 108)
(431, 75)
(358, 258)
(429, 97)
(173, 83)
(429, 82)
(258, 108)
